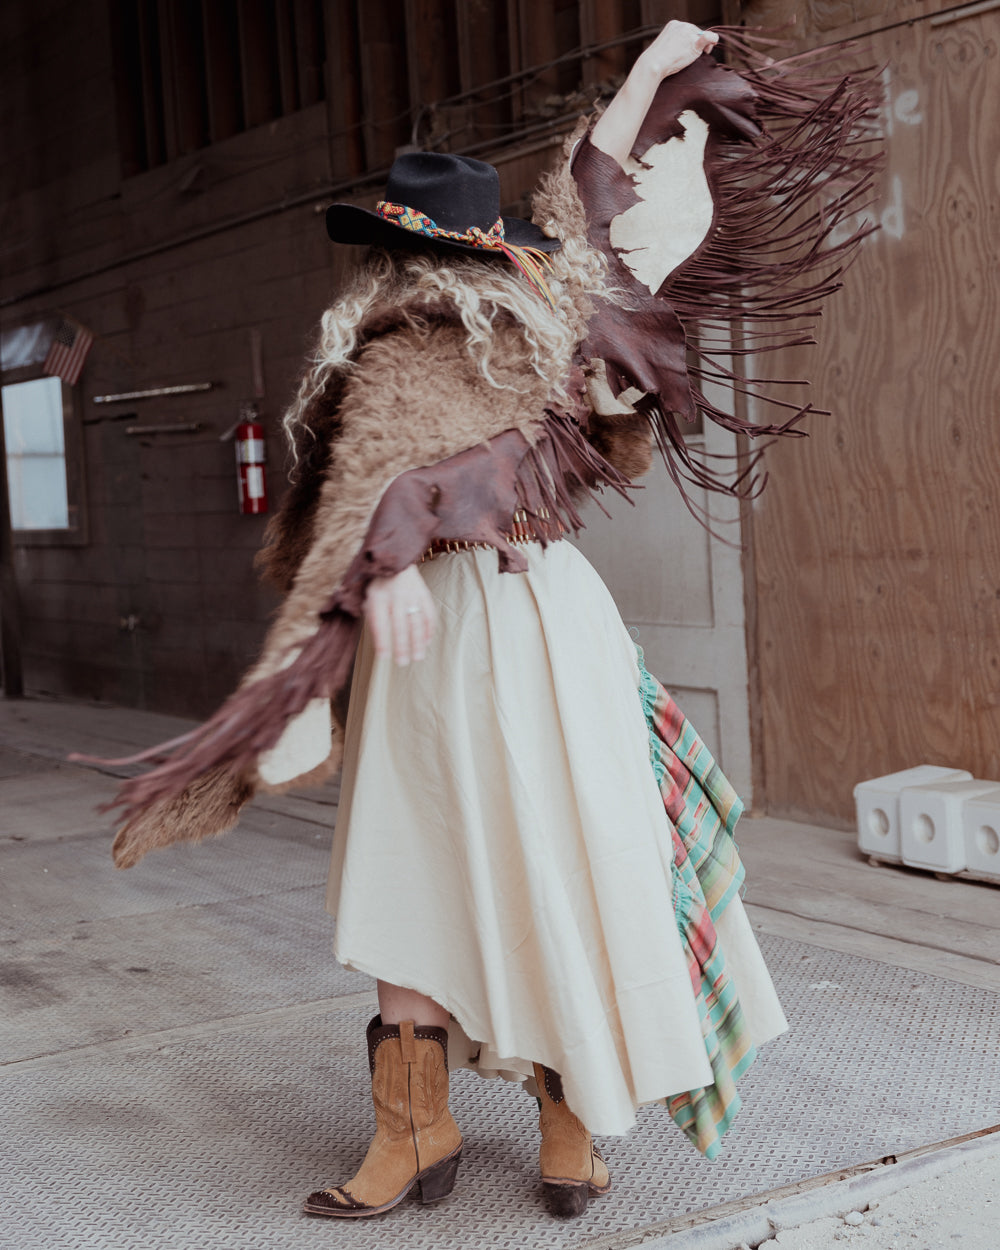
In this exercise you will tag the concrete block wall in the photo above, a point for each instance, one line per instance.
(170, 276)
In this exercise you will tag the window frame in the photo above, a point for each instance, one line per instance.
(76, 533)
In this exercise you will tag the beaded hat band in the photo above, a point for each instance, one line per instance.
(529, 260)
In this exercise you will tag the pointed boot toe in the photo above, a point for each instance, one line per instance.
(334, 1202)
(416, 1140)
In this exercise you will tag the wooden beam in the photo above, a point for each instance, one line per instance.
(128, 87)
(659, 12)
(431, 51)
(186, 69)
(538, 44)
(701, 12)
(432, 66)
(288, 73)
(168, 87)
(483, 50)
(308, 17)
(343, 89)
(385, 92)
(220, 31)
(152, 83)
(261, 89)
(601, 20)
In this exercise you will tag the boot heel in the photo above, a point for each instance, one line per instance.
(566, 1201)
(438, 1181)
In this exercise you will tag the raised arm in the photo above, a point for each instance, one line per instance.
(677, 45)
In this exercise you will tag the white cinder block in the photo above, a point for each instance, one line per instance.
(877, 805)
(930, 823)
(981, 827)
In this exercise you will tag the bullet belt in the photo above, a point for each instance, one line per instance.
(520, 532)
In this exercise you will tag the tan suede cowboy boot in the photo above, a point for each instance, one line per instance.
(416, 1141)
(572, 1169)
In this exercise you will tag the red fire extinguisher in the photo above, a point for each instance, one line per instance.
(251, 471)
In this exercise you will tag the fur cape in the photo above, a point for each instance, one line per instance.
(413, 397)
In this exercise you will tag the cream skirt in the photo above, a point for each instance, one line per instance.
(502, 844)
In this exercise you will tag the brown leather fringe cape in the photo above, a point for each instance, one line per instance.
(414, 444)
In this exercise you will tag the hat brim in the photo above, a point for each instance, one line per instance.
(349, 223)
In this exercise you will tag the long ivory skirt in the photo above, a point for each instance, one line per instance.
(502, 844)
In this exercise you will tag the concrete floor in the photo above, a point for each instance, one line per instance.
(181, 1060)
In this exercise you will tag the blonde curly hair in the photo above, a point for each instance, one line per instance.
(481, 289)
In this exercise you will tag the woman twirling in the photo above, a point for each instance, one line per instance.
(533, 853)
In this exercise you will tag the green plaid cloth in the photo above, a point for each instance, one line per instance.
(703, 810)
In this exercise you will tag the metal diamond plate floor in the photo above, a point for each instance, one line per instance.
(211, 1136)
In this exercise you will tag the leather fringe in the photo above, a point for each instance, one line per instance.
(793, 159)
(551, 478)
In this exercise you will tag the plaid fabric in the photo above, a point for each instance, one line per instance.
(703, 810)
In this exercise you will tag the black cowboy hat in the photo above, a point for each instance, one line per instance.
(455, 192)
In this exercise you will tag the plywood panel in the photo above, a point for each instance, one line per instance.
(878, 539)
(820, 21)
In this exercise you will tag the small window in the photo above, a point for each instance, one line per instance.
(42, 461)
(36, 455)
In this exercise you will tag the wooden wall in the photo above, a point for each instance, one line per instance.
(877, 541)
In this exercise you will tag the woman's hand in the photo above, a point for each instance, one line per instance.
(401, 615)
(678, 45)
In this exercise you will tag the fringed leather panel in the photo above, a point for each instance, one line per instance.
(790, 159)
(471, 496)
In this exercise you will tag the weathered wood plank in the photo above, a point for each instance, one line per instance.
(385, 92)
(484, 56)
(431, 51)
(877, 946)
(224, 81)
(601, 20)
(343, 88)
(818, 876)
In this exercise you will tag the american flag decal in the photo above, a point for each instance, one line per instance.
(68, 351)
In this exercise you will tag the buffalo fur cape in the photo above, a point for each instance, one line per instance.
(414, 396)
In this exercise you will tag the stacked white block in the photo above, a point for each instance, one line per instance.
(877, 805)
(981, 827)
(931, 835)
